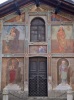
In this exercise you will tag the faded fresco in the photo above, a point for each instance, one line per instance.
(38, 49)
(63, 71)
(19, 18)
(12, 71)
(13, 39)
(55, 17)
(62, 39)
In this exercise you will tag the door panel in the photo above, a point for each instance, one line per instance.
(38, 76)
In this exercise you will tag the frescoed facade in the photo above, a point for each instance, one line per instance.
(37, 49)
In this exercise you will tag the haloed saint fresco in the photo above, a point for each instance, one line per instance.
(12, 71)
(13, 37)
(63, 70)
(62, 39)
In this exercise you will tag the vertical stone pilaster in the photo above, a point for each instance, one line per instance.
(73, 36)
(27, 43)
(0, 60)
(26, 62)
(49, 42)
(49, 39)
(73, 26)
(26, 59)
(26, 72)
(26, 40)
(26, 65)
(26, 33)
(49, 49)
(1, 53)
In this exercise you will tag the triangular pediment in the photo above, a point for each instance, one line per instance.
(15, 5)
(42, 8)
(29, 8)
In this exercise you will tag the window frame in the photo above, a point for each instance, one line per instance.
(37, 30)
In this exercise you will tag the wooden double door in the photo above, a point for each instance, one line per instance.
(38, 76)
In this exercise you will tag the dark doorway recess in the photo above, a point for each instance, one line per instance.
(38, 76)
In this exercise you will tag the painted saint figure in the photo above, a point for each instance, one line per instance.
(63, 71)
(12, 75)
(61, 36)
(13, 40)
(13, 71)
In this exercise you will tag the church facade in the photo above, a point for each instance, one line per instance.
(33, 46)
